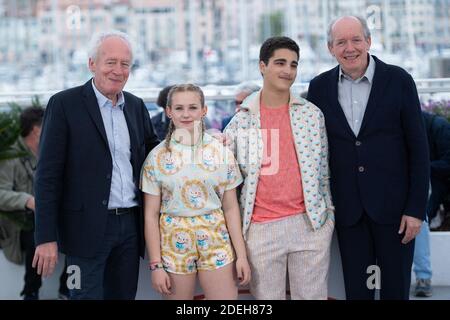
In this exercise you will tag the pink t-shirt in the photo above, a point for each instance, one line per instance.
(280, 192)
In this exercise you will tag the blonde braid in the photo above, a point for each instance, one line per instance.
(169, 135)
(203, 129)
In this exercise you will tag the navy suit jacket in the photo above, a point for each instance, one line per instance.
(383, 171)
(161, 127)
(73, 176)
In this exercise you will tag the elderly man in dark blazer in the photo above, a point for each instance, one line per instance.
(378, 161)
(95, 138)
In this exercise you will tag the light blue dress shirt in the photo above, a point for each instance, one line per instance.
(354, 94)
(123, 189)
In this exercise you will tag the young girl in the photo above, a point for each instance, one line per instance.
(191, 211)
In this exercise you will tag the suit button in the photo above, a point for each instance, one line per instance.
(357, 143)
(104, 202)
(361, 169)
(108, 176)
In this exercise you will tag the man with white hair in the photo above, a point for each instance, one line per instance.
(94, 140)
(378, 162)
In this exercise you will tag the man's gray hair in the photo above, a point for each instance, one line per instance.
(98, 38)
(363, 22)
(249, 87)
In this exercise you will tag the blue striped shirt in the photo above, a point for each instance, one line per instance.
(123, 189)
(353, 95)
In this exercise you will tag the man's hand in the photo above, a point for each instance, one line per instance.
(412, 226)
(45, 258)
(30, 203)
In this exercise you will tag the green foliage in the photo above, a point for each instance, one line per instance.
(35, 102)
(23, 219)
(440, 107)
(9, 132)
(271, 25)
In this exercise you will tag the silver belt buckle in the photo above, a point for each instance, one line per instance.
(117, 212)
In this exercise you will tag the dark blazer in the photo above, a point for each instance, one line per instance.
(384, 171)
(161, 125)
(73, 177)
(438, 132)
(226, 121)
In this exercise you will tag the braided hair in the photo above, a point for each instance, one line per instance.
(183, 88)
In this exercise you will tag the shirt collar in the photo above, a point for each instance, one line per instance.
(370, 71)
(102, 100)
(252, 102)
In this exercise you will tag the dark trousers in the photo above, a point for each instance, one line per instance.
(112, 274)
(366, 244)
(32, 280)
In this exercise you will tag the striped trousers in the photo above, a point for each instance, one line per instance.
(289, 247)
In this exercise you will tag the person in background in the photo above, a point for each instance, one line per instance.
(160, 121)
(242, 92)
(422, 262)
(438, 133)
(17, 198)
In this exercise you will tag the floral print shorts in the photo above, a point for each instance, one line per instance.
(195, 243)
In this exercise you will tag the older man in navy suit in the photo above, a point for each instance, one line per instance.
(95, 138)
(378, 161)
